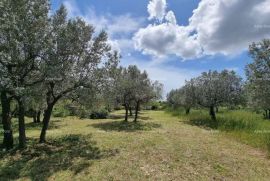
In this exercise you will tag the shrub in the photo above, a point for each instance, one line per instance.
(99, 114)
(117, 108)
(60, 112)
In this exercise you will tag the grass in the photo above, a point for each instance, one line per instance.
(159, 147)
(245, 126)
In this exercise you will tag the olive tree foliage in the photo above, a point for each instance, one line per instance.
(47, 55)
(22, 37)
(145, 90)
(133, 88)
(183, 97)
(76, 59)
(214, 89)
(210, 90)
(258, 76)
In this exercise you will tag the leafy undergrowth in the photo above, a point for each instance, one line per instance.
(158, 147)
(245, 126)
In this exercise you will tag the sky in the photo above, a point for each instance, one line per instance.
(176, 40)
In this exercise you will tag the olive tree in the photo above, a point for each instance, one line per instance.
(258, 76)
(22, 36)
(144, 90)
(183, 97)
(75, 59)
(123, 89)
(213, 89)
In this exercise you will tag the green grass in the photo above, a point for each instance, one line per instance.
(245, 126)
(159, 147)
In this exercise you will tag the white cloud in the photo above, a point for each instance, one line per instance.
(157, 9)
(119, 28)
(123, 25)
(170, 17)
(216, 26)
(72, 8)
(228, 27)
(167, 39)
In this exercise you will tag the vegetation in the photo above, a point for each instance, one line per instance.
(57, 72)
(243, 125)
(50, 58)
(159, 146)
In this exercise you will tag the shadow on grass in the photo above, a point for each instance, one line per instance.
(125, 126)
(144, 118)
(40, 161)
(38, 126)
(203, 123)
(115, 116)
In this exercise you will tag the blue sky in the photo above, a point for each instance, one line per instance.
(175, 40)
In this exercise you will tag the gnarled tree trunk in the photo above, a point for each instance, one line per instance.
(130, 111)
(126, 114)
(46, 120)
(187, 111)
(212, 113)
(38, 116)
(6, 121)
(137, 110)
(35, 117)
(22, 136)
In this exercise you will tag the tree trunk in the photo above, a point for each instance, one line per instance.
(130, 111)
(46, 120)
(126, 114)
(35, 117)
(187, 111)
(212, 113)
(38, 116)
(266, 114)
(137, 111)
(217, 109)
(22, 136)
(6, 121)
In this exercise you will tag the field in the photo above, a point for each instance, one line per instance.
(161, 146)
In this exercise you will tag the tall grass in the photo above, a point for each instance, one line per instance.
(243, 125)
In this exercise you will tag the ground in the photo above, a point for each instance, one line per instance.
(159, 147)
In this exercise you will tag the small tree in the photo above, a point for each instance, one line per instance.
(258, 76)
(75, 60)
(213, 89)
(23, 36)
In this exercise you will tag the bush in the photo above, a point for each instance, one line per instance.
(117, 108)
(60, 111)
(100, 114)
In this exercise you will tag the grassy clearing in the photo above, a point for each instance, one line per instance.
(160, 147)
(246, 126)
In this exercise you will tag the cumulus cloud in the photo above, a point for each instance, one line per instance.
(119, 28)
(170, 17)
(216, 26)
(123, 25)
(157, 9)
(167, 39)
(228, 27)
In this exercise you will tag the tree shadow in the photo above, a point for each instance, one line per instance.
(144, 118)
(116, 116)
(203, 122)
(38, 126)
(125, 126)
(40, 161)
